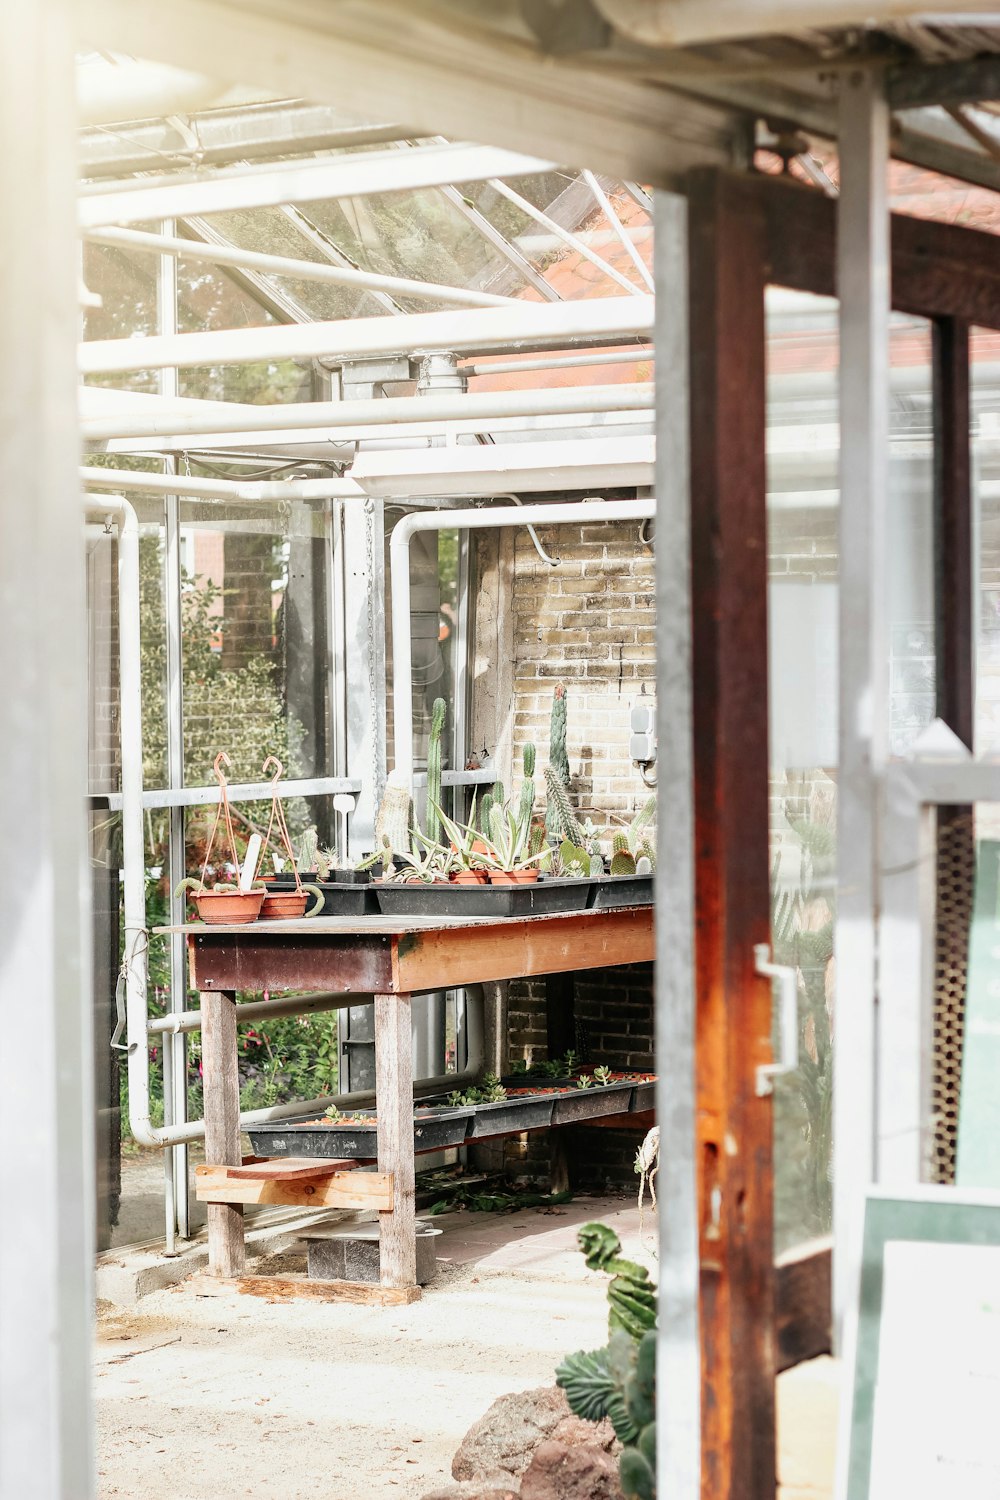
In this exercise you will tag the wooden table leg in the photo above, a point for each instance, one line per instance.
(394, 1104)
(221, 1081)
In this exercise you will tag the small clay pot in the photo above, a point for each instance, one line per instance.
(234, 907)
(513, 877)
(283, 904)
(469, 877)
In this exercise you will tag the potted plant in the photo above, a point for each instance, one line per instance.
(466, 846)
(223, 902)
(513, 849)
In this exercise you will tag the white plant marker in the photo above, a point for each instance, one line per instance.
(249, 872)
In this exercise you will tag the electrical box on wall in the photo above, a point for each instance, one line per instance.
(642, 743)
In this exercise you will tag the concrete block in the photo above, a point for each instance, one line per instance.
(352, 1253)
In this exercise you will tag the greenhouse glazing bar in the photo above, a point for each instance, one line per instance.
(473, 330)
(270, 184)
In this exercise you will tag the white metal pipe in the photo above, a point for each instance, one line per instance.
(268, 184)
(529, 325)
(561, 361)
(133, 824)
(574, 513)
(218, 489)
(294, 266)
(344, 416)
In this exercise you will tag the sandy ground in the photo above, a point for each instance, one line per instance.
(211, 1397)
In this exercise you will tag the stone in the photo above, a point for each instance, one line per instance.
(571, 1471)
(500, 1445)
(575, 1431)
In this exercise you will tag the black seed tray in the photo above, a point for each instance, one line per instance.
(339, 898)
(644, 1096)
(431, 1132)
(622, 890)
(449, 900)
(531, 1112)
(589, 1104)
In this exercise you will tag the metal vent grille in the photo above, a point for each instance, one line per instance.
(956, 868)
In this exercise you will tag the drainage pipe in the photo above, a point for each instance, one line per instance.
(393, 411)
(571, 514)
(561, 361)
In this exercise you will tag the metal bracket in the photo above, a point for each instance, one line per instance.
(788, 1019)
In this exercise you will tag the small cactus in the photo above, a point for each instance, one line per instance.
(647, 851)
(643, 866)
(622, 863)
(536, 839)
(619, 844)
(528, 760)
(596, 867)
(573, 860)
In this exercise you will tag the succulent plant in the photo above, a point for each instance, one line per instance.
(393, 820)
(558, 759)
(622, 863)
(559, 816)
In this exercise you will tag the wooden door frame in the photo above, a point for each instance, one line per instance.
(747, 232)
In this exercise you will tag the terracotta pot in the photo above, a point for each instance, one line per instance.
(469, 877)
(524, 877)
(229, 906)
(283, 904)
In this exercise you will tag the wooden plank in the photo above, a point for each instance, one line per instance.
(642, 1120)
(727, 247)
(250, 960)
(938, 270)
(306, 1289)
(290, 1168)
(394, 1104)
(371, 1190)
(221, 1080)
(474, 954)
(803, 1303)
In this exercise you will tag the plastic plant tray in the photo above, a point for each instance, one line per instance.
(590, 1104)
(622, 890)
(433, 1130)
(449, 900)
(339, 899)
(529, 1111)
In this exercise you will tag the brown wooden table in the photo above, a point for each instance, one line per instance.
(391, 959)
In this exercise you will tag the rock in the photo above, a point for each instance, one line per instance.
(500, 1445)
(571, 1471)
(574, 1432)
(472, 1489)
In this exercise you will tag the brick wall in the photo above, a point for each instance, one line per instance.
(587, 623)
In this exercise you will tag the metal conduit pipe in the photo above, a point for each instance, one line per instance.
(389, 411)
(561, 361)
(217, 489)
(134, 962)
(285, 1005)
(470, 520)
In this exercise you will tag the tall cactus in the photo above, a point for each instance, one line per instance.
(558, 759)
(432, 821)
(560, 818)
(526, 801)
(393, 821)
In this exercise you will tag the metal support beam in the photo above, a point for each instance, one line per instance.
(46, 1067)
(863, 283)
(678, 1416)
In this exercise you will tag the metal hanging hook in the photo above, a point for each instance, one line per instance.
(272, 760)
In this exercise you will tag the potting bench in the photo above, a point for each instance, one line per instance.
(391, 959)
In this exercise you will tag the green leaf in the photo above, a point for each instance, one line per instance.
(588, 1383)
